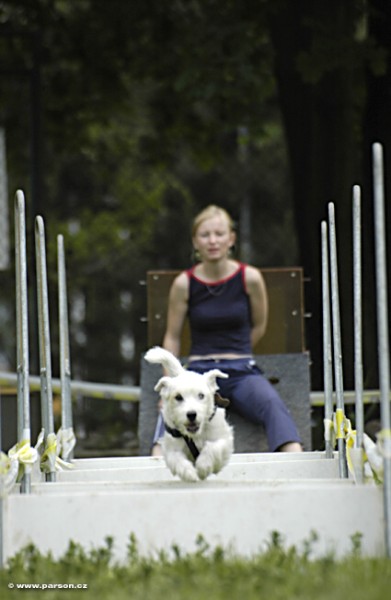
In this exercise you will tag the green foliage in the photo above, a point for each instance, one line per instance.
(337, 46)
(123, 119)
(276, 573)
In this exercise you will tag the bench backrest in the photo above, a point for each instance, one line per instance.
(285, 330)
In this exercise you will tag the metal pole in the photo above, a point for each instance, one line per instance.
(44, 336)
(327, 350)
(22, 347)
(2, 533)
(65, 361)
(357, 311)
(4, 226)
(382, 331)
(338, 373)
(357, 302)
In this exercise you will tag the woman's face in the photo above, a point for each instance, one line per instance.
(214, 238)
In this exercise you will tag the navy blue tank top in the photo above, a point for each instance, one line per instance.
(219, 315)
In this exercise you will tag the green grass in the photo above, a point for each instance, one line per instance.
(278, 573)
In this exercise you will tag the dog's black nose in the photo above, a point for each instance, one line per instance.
(191, 416)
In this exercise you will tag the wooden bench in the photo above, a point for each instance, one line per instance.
(280, 354)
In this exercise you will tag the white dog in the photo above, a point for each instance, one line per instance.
(198, 440)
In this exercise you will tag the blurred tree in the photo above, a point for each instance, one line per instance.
(324, 54)
(376, 128)
(142, 109)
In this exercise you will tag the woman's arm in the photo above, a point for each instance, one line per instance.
(257, 292)
(176, 313)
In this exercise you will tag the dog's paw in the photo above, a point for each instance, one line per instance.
(204, 467)
(185, 471)
(188, 474)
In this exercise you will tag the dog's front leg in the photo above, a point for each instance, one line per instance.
(213, 458)
(181, 466)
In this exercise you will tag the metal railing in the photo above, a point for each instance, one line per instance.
(332, 337)
(132, 393)
(89, 389)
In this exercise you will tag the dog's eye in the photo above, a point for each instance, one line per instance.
(201, 396)
(179, 397)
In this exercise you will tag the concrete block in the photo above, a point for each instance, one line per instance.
(241, 515)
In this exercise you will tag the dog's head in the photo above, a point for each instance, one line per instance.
(188, 400)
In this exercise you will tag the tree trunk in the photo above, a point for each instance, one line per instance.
(320, 123)
(377, 128)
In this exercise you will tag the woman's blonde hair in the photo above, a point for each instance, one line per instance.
(208, 213)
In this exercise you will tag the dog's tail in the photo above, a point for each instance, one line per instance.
(161, 356)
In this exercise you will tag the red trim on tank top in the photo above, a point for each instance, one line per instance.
(241, 268)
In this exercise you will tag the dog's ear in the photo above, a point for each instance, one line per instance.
(211, 377)
(163, 384)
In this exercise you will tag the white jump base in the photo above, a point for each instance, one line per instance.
(236, 471)
(238, 509)
(145, 461)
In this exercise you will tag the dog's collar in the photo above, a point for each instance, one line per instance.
(213, 413)
(174, 432)
(189, 442)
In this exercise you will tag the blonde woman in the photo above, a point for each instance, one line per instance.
(226, 303)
